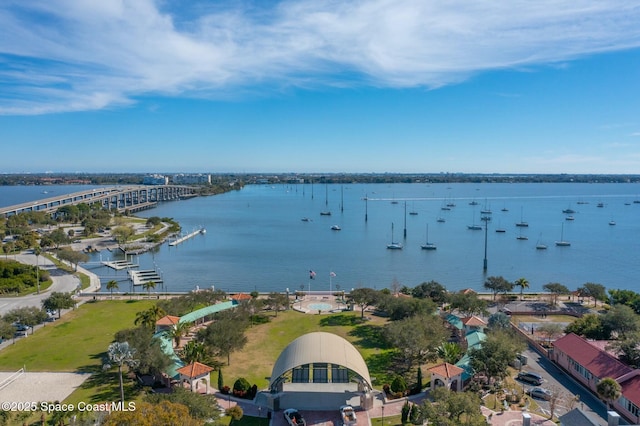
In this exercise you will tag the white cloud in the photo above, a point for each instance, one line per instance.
(64, 55)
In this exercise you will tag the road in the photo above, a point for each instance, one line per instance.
(555, 379)
(62, 282)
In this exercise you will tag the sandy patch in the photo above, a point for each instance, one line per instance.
(40, 386)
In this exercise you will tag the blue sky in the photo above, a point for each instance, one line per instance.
(320, 86)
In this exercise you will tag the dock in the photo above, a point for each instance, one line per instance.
(142, 277)
(186, 237)
(119, 265)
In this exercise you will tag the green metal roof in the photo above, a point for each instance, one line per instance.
(201, 313)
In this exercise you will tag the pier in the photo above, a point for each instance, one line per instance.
(186, 237)
(119, 265)
(145, 276)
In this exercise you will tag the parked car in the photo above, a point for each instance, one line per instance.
(348, 415)
(540, 393)
(533, 378)
(293, 417)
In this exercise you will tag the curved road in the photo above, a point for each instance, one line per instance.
(62, 282)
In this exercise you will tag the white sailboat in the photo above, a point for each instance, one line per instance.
(427, 245)
(562, 242)
(394, 245)
(540, 245)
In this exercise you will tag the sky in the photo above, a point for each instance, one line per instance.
(367, 86)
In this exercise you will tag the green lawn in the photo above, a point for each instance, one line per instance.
(266, 342)
(76, 342)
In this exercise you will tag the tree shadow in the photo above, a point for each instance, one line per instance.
(340, 320)
(369, 336)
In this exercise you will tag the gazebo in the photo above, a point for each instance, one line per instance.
(448, 375)
(195, 371)
(167, 322)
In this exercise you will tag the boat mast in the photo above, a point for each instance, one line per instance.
(405, 220)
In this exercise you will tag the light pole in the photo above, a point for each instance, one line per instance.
(486, 227)
(382, 415)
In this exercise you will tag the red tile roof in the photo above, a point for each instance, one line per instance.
(446, 370)
(631, 390)
(241, 297)
(598, 362)
(195, 369)
(473, 321)
(168, 320)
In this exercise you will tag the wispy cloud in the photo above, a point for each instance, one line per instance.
(69, 55)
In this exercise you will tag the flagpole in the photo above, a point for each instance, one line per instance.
(330, 276)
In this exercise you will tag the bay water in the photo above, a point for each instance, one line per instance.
(257, 239)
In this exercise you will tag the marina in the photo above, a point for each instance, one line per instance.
(119, 265)
(144, 276)
(262, 244)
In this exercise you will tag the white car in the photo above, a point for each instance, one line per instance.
(348, 415)
(293, 417)
(540, 393)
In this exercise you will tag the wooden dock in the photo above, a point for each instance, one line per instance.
(186, 237)
(145, 276)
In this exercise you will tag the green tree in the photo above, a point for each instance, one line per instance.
(112, 285)
(364, 297)
(589, 326)
(193, 352)
(493, 357)
(122, 234)
(152, 359)
(468, 303)
(277, 301)
(27, 315)
(498, 285)
(556, 289)
(148, 286)
(149, 317)
(58, 301)
(522, 283)
(120, 354)
(433, 290)
(450, 352)
(499, 320)
(58, 237)
(621, 321)
(609, 390)
(220, 379)
(594, 291)
(416, 338)
(72, 256)
(223, 337)
(178, 331)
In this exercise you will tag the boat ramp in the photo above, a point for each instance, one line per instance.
(186, 237)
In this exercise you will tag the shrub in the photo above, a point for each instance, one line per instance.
(398, 385)
(241, 387)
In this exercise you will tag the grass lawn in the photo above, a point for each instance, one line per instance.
(265, 342)
(76, 342)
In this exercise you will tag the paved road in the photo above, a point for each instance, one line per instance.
(557, 379)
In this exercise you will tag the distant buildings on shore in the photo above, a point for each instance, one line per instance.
(179, 179)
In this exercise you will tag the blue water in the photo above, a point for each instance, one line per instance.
(256, 239)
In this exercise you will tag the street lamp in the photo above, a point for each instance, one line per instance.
(382, 415)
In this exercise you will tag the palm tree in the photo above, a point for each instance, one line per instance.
(111, 285)
(609, 390)
(522, 283)
(178, 331)
(148, 286)
(193, 352)
(149, 317)
(450, 352)
(120, 353)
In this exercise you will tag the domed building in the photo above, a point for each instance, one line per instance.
(320, 371)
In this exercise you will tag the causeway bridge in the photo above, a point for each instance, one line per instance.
(131, 198)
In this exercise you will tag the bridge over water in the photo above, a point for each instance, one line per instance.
(130, 198)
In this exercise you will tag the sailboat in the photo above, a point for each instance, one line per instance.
(539, 245)
(522, 223)
(393, 245)
(474, 227)
(562, 242)
(427, 245)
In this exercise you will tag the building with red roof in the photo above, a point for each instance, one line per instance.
(589, 364)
